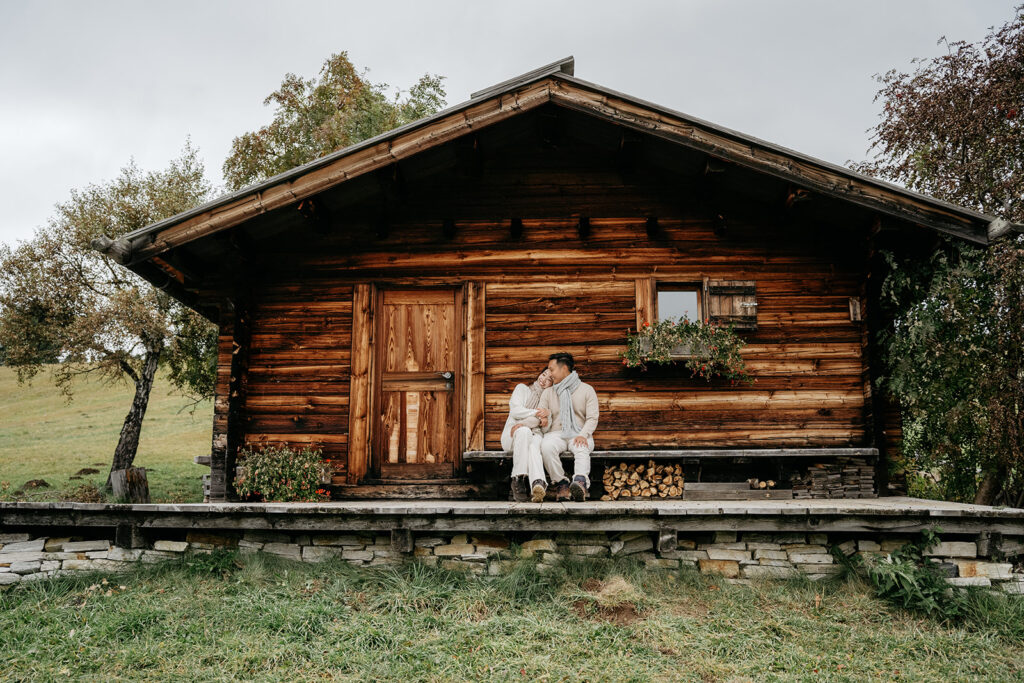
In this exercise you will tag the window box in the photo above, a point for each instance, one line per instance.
(681, 351)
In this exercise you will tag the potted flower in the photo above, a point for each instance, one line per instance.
(706, 348)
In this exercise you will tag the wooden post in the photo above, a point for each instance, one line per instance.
(401, 540)
(475, 348)
(668, 539)
(229, 398)
(129, 536)
(361, 384)
(644, 302)
(130, 485)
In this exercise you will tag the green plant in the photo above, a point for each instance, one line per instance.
(217, 562)
(713, 350)
(282, 474)
(909, 579)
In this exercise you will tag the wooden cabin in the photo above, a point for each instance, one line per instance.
(383, 301)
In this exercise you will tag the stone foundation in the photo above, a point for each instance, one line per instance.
(737, 556)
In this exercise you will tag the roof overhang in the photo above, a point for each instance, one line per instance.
(554, 83)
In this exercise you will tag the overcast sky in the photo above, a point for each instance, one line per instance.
(85, 86)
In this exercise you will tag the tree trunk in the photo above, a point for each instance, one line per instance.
(991, 485)
(128, 444)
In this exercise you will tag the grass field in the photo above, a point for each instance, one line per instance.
(42, 436)
(275, 620)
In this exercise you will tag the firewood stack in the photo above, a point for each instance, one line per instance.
(845, 478)
(643, 480)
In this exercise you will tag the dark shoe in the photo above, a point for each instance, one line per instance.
(578, 489)
(562, 490)
(520, 488)
(539, 489)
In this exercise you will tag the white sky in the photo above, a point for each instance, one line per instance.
(85, 86)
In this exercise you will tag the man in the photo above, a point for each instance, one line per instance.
(522, 436)
(574, 412)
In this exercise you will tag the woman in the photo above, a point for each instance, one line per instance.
(522, 436)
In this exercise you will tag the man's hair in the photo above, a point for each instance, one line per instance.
(563, 359)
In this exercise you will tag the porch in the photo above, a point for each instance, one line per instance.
(739, 540)
(893, 514)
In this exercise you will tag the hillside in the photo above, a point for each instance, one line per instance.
(43, 436)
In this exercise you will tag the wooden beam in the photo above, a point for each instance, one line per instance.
(698, 453)
(120, 250)
(1000, 228)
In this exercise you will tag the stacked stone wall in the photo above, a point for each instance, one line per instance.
(739, 557)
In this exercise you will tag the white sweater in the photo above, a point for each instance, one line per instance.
(518, 413)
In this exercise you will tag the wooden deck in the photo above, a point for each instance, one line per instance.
(888, 515)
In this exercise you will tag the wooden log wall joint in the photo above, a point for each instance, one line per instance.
(652, 227)
(515, 229)
(719, 224)
(448, 229)
(583, 228)
(855, 315)
(316, 214)
(796, 195)
(469, 156)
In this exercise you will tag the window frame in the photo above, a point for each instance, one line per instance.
(697, 287)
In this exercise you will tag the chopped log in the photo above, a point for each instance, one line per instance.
(130, 485)
(642, 480)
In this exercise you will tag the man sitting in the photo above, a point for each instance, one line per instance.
(573, 407)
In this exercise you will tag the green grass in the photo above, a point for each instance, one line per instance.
(43, 436)
(274, 620)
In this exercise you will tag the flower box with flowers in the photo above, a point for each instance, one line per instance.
(707, 349)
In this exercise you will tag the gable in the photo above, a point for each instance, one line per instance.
(549, 102)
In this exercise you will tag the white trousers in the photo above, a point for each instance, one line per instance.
(551, 448)
(526, 458)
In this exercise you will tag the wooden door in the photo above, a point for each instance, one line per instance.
(418, 368)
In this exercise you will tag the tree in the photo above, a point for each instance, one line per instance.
(61, 300)
(955, 354)
(317, 116)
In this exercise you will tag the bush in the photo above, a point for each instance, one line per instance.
(282, 474)
(914, 582)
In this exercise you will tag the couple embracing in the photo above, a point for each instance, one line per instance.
(557, 412)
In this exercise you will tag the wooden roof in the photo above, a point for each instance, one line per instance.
(554, 83)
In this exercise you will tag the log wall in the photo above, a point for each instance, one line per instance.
(553, 287)
(298, 367)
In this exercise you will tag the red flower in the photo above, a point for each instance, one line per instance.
(646, 324)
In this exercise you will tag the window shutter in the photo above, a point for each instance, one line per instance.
(732, 301)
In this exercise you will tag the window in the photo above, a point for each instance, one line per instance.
(679, 301)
